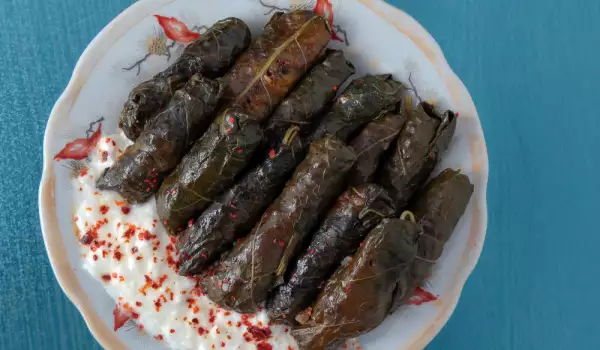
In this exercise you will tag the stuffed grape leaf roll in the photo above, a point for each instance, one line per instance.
(311, 96)
(207, 169)
(234, 213)
(211, 55)
(356, 299)
(257, 264)
(275, 61)
(417, 150)
(363, 100)
(164, 141)
(371, 144)
(347, 223)
(438, 208)
(214, 52)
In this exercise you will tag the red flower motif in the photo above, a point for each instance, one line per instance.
(324, 9)
(120, 318)
(421, 296)
(176, 30)
(80, 148)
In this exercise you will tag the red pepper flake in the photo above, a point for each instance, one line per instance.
(457, 114)
(158, 302)
(259, 333)
(158, 337)
(201, 331)
(95, 257)
(218, 331)
(138, 258)
(114, 275)
(121, 278)
(191, 222)
(134, 250)
(138, 303)
(239, 324)
(146, 235)
(222, 344)
(172, 331)
(103, 156)
(334, 88)
(239, 150)
(212, 317)
(264, 346)
(83, 172)
(152, 284)
(227, 313)
(135, 315)
(272, 153)
(286, 330)
(75, 218)
(194, 320)
(281, 244)
(106, 278)
(104, 254)
(125, 210)
(117, 255)
(229, 323)
(129, 232)
(113, 143)
(89, 236)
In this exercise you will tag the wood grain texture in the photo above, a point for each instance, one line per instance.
(531, 67)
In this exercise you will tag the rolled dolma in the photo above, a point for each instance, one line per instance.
(417, 150)
(363, 100)
(347, 223)
(275, 61)
(311, 96)
(371, 144)
(356, 299)
(207, 169)
(211, 55)
(164, 141)
(257, 264)
(214, 52)
(239, 208)
(437, 208)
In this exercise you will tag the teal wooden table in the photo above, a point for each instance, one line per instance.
(532, 69)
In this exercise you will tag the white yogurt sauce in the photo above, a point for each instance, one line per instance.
(131, 254)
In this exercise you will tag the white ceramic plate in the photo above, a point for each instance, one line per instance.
(377, 37)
